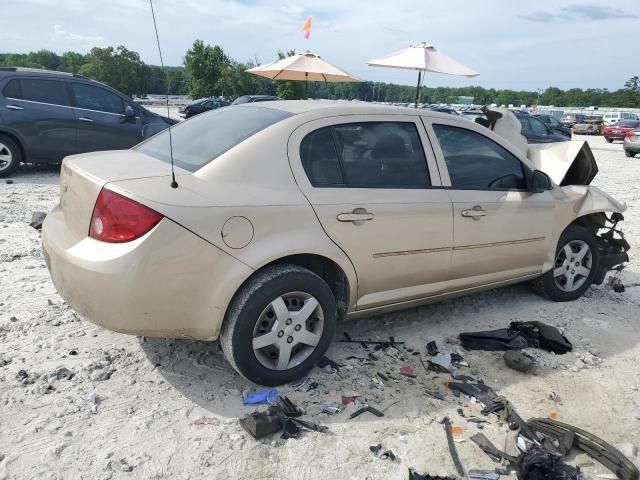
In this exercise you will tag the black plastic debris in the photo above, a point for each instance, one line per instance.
(490, 449)
(413, 475)
(432, 348)
(519, 361)
(618, 288)
(64, 374)
(452, 448)
(378, 451)
(378, 344)
(365, 409)
(290, 429)
(324, 361)
(483, 474)
(519, 335)
(22, 375)
(260, 424)
(9, 182)
(37, 218)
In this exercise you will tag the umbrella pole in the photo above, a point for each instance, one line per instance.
(306, 85)
(418, 89)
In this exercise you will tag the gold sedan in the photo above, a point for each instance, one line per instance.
(289, 216)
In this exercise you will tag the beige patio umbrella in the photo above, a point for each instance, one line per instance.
(303, 67)
(425, 58)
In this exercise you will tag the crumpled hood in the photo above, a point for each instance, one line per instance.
(566, 163)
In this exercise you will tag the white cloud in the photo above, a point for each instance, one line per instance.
(59, 33)
(292, 9)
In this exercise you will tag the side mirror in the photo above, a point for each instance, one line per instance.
(129, 112)
(540, 182)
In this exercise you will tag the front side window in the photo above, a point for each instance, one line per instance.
(44, 91)
(91, 97)
(476, 162)
(366, 154)
(206, 137)
(537, 126)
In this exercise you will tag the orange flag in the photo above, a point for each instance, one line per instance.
(306, 28)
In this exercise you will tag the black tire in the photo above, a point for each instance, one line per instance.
(236, 337)
(629, 154)
(546, 286)
(609, 140)
(9, 147)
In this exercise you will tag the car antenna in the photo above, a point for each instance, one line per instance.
(174, 184)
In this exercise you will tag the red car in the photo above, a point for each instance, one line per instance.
(621, 130)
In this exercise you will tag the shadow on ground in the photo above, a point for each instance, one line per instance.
(594, 323)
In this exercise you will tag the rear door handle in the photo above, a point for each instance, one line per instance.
(85, 119)
(14, 107)
(358, 216)
(476, 212)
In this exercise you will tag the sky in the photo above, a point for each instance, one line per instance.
(512, 44)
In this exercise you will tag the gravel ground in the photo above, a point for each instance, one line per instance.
(155, 408)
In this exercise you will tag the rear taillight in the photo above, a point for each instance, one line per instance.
(118, 219)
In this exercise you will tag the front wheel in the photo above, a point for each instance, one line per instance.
(279, 325)
(574, 269)
(629, 154)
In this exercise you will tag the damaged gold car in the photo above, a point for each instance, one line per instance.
(289, 216)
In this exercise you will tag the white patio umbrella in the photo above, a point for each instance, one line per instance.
(303, 67)
(425, 58)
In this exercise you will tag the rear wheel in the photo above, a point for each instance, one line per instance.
(575, 266)
(10, 156)
(609, 140)
(279, 324)
(629, 154)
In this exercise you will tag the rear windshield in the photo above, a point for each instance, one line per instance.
(201, 139)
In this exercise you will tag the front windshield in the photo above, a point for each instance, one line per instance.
(201, 139)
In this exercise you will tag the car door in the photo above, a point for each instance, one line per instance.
(378, 197)
(102, 123)
(501, 229)
(39, 112)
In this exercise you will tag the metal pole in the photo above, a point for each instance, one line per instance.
(306, 85)
(418, 89)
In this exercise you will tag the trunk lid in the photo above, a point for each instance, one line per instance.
(83, 176)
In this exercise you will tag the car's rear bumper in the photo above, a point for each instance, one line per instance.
(168, 283)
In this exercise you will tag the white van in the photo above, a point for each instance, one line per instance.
(612, 117)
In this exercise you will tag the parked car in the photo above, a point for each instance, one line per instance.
(535, 131)
(620, 130)
(447, 110)
(45, 116)
(611, 118)
(472, 114)
(289, 216)
(632, 144)
(254, 99)
(592, 125)
(202, 105)
(570, 119)
(553, 123)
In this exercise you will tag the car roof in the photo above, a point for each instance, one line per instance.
(38, 72)
(332, 107)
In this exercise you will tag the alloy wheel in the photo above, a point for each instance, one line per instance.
(5, 156)
(573, 266)
(288, 331)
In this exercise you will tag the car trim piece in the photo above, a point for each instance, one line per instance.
(66, 106)
(411, 252)
(500, 244)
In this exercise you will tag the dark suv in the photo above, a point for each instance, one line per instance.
(45, 116)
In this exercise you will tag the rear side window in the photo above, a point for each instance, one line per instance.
(368, 154)
(12, 89)
(476, 162)
(205, 137)
(44, 91)
(96, 98)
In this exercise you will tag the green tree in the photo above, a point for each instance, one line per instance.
(633, 84)
(204, 66)
(121, 68)
(71, 62)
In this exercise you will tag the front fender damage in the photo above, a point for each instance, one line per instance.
(591, 205)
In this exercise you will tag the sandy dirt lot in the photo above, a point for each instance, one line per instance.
(166, 409)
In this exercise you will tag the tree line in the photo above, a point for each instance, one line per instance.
(207, 71)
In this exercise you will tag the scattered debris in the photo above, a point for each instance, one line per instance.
(519, 335)
(413, 475)
(262, 397)
(452, 447)
(305, 385)
(382, 454)
(440, 363)
(260, 424)
(519, 361)
(100, 375)
(378, 344)
(483, 474)
(432, 348)
(63, 373)
(366, 408)
(37, 218)
(347, 399)
(408, 372)
(324, 361)
(9, 182)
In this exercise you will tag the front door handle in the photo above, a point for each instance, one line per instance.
(85, 119)
(14, 107)
(358, 216)
(476, 212)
